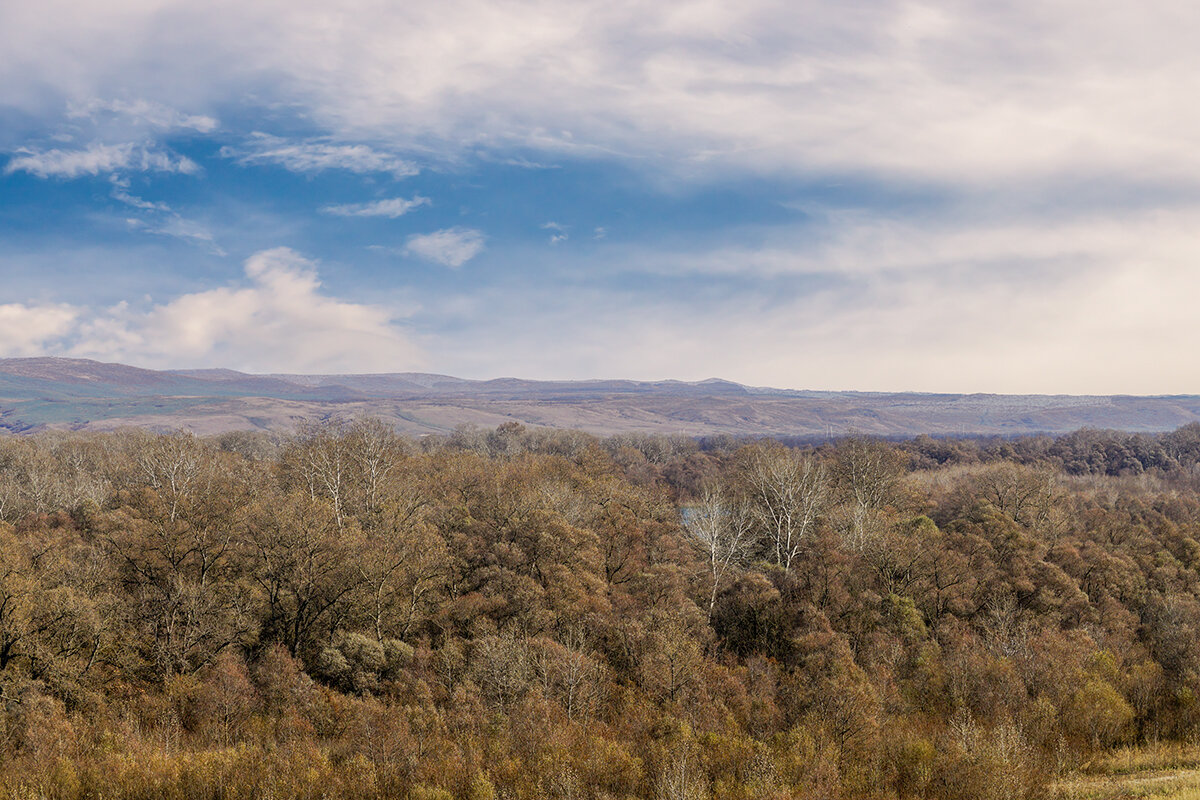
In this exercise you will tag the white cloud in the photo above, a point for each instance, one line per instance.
(120, 192)
(960, 92)
(144, 112)
(134, 201)
(160, 219)
(31, 330)
(391, 207)
(1104, 304)
(558, 232)
(990, 100)
(280, 321)
(318, 156)
(451, 247)
(177, 227)
(875, 245)
(97, 159)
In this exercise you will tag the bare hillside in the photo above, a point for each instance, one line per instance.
(42, 393)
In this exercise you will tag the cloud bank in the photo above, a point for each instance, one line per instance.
(1102, 305)
(31, 330)
(278, 320)
(956, 92)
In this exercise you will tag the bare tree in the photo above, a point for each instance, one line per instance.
(723, 529)
(868, 473)
(789, 492)
(302, 566)
(1027, 495)
(30, 479)
(566, 671)
(319, 458)
(374, 452)
(172, 465)
(682, 774)
(348, 464)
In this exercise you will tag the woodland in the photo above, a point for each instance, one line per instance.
(531, 613)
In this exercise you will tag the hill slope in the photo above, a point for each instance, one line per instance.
(41, 393)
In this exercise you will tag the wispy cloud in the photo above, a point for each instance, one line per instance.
(177, 227)
(451, 247)
(120, 192)
(97, 159)
(144, 112)
(523, 163)
(558, 233)
(861, 244)
(317, 156)
(391, 207)
(161, 220)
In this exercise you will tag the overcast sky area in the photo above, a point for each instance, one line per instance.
(953, 196)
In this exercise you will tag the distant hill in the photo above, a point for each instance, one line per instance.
(41, 393)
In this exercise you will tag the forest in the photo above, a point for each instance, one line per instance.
(532, 613)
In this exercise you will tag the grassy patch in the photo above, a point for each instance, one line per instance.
(1167, 771)
(1167, 786)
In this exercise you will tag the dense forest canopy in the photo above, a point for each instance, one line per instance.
(519, 613)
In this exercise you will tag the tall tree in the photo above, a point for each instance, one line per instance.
(788, 492)
(723, 530)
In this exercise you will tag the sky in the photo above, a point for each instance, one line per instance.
(960, 196)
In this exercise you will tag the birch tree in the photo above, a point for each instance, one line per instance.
(723, 529)
(788, 493)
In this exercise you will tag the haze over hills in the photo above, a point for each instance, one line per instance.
(47, 393)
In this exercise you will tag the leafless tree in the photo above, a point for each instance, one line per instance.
(789, 492)
(172, 465)
(868, 473)
(375, 451)
(723, 529)
(319, 458)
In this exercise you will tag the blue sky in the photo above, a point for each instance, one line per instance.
(951, 196)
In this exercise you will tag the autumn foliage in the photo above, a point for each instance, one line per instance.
(537, 614)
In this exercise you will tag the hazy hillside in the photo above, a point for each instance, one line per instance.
(39, 393)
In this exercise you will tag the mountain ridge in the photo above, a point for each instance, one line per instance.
(61, 393)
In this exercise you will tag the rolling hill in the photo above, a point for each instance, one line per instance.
(59, 393)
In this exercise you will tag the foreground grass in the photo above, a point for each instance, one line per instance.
(1168, 771)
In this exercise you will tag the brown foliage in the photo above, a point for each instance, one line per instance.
(527, 614)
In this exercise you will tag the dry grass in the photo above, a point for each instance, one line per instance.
(1183, 785)
(1167, 771)
(1157, 757)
